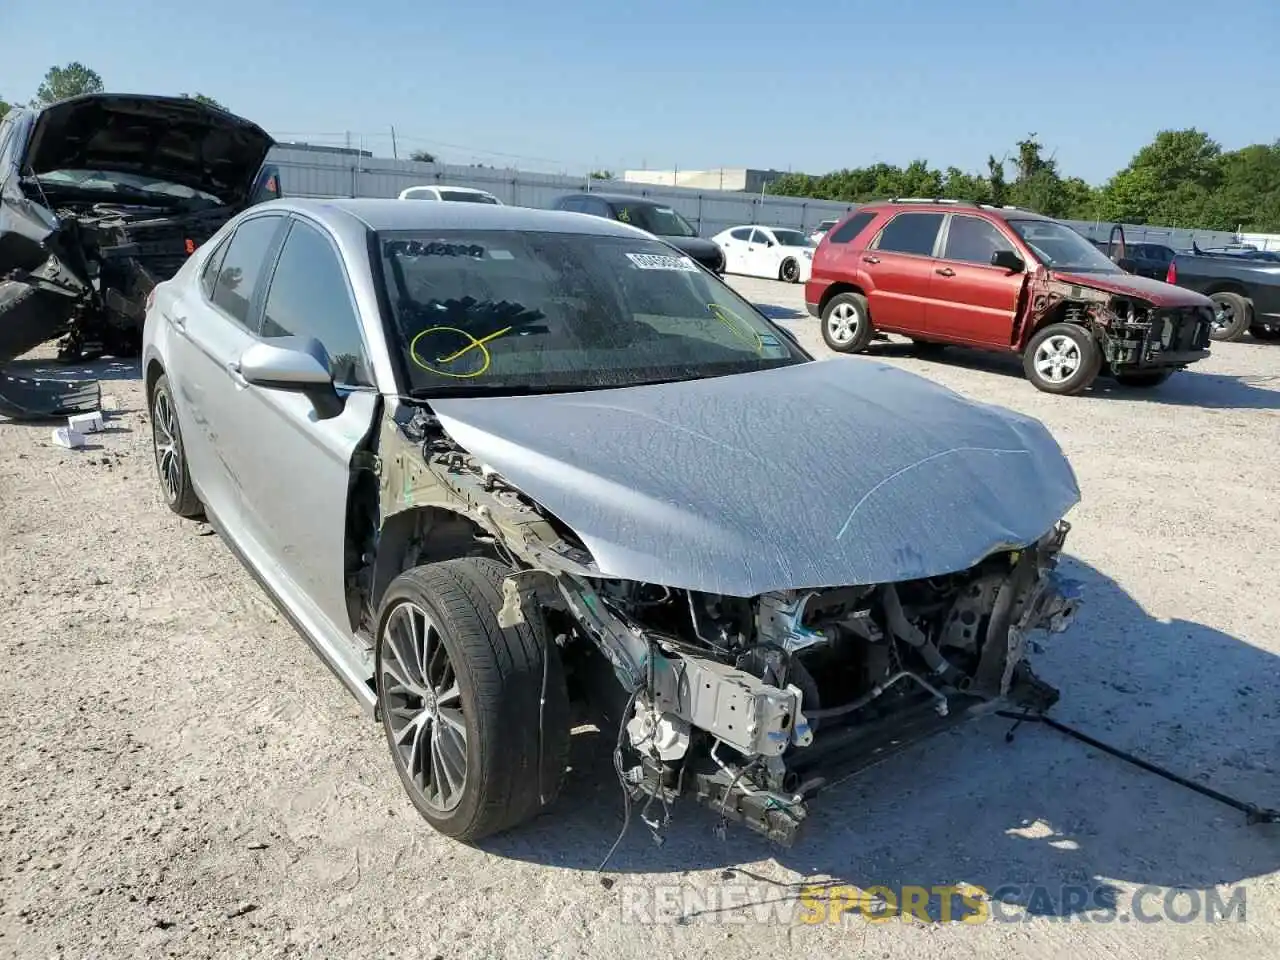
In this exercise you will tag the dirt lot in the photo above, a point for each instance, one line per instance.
(179, 776)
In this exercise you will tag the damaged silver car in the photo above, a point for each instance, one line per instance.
(101, 197)
(490, 460)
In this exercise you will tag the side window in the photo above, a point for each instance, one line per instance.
(597, 207)
(910, 233)
(209, 276)
(742, 233)
(572, 204)
(243, 265)
(850, 228)
(973, 240)
(309, 297)
(760, 237)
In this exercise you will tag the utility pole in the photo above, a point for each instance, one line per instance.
(394, 154)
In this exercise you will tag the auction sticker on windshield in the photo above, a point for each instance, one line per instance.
(657, 261)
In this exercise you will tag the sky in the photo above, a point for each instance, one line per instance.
(575, 85)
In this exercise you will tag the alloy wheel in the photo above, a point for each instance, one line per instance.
(423, 706)
(843, 323)
(1058, 358)
(1224, 314)
(790, 271)
(168, 448)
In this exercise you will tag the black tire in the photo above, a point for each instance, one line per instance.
(172, 469)
(789, 271)
(1079, 375)
(1265, 334)
(1143, 378)
(1236, 313)
(499, 675)
(847, 312)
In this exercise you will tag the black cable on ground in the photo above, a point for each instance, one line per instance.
(1253, 813)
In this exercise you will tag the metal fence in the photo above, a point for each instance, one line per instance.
(308, 173)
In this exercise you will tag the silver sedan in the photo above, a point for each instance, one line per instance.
(486, 458)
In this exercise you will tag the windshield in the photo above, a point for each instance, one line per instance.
(662, 221)
(466, 196)
(525, 311)
(110, 181)
(1059, 247)
(792, 238)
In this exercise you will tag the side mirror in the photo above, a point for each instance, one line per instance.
(1008, 260)
(294, 364)
(768, 243)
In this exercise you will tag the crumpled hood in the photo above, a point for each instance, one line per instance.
(170, 138)
(823, 473)
(1155, 292)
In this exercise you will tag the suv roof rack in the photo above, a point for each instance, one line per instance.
(959, 203)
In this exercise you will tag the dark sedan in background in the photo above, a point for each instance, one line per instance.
(657, 218)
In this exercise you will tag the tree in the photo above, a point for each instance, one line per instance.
(423, 156)
(600, 175)
(61, 83)
(4, 107)
(207, 101)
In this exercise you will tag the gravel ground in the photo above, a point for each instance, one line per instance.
(180, 776)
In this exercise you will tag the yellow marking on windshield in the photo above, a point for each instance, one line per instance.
(474, 344)
(737, 326)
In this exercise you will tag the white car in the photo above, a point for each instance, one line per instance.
(456, 194)
(778, 253)
(821, 231)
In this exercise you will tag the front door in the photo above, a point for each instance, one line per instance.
(898, 266)
(295, 469)
(758, 254)
(970, 301)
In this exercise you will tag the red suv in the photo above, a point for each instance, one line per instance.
(1000, 278)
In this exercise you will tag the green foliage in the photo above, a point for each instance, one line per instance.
(207, 101)
(4, 107)
(423, 156)
(1181, 179)
(62, 83)
(601, 175)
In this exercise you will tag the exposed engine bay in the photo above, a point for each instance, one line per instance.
(751, 704)
(92, 275)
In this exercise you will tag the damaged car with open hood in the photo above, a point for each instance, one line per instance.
(101, 197)
(491, 461)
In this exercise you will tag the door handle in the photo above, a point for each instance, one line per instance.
(179, 320)
(233, 368)
(870, 259)
(945, 272)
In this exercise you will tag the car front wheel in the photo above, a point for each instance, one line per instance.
(476, 715)
(846, 325)
(1063, 358)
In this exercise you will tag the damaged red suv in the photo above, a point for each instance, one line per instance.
(1000, 278)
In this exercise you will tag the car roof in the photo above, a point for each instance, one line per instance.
(379, 214)
(942, 205)
(619, 198)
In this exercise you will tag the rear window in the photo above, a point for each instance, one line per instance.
(850, 228)
(911, 233)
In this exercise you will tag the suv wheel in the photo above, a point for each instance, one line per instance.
(171, 458)
(1063, 358)
(459, 698)
(1231, 318)
(846, 325)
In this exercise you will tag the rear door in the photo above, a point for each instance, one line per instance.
(898, 265)
(214, 321)
(295, 469)
(971, 301)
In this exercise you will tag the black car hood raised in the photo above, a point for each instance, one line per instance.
(824, 473)
(170, 138)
